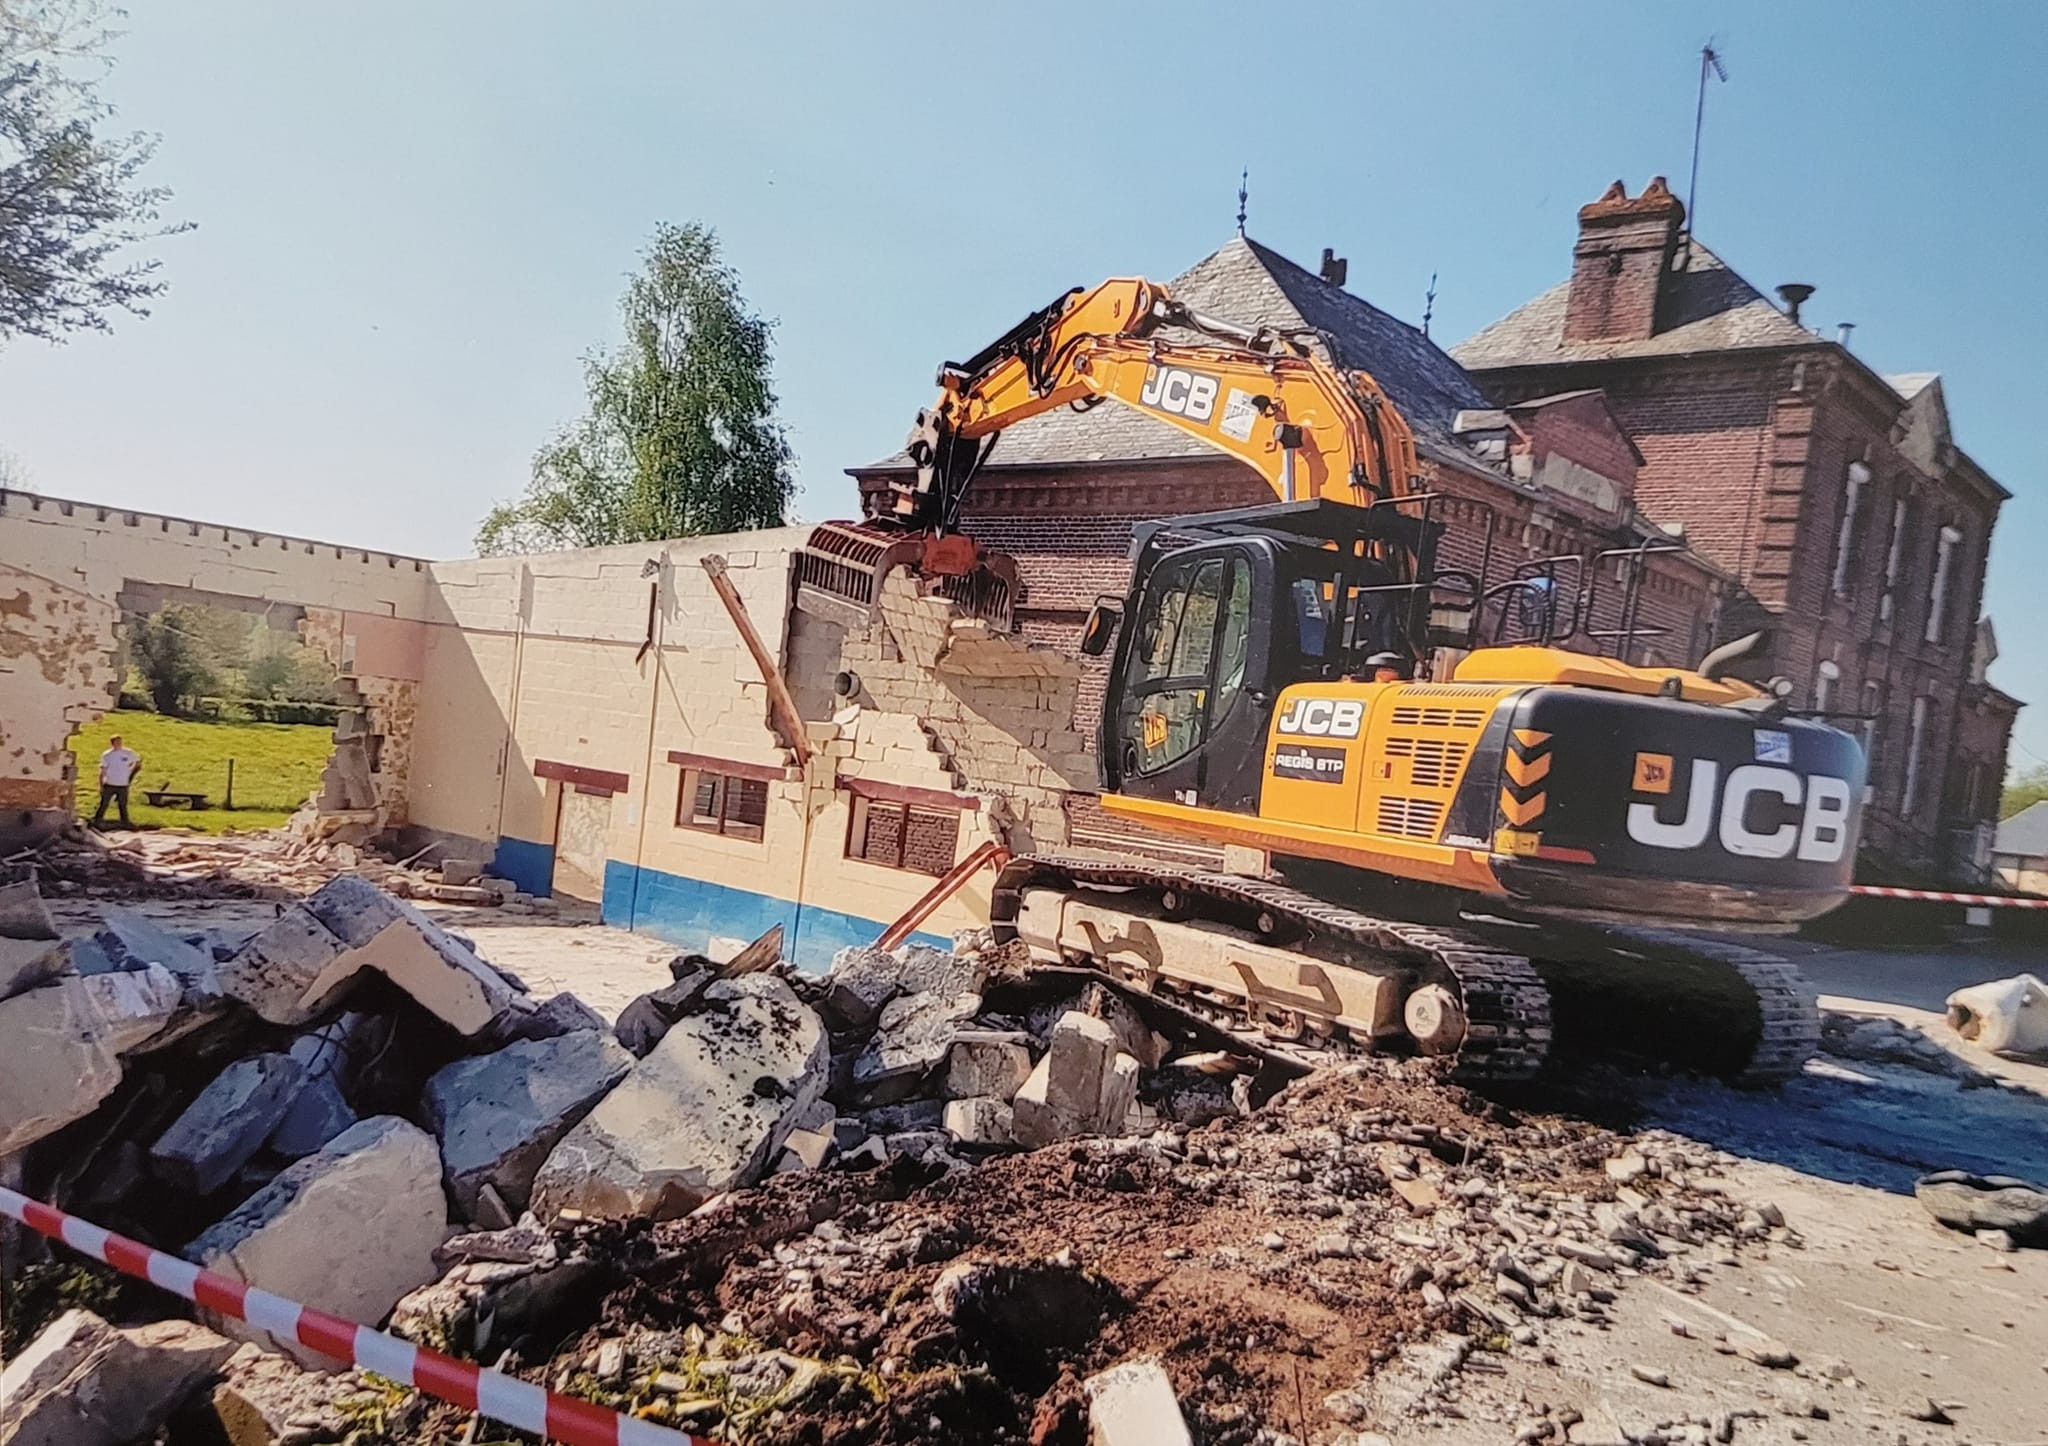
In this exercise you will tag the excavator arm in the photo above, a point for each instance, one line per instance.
(1310, 429)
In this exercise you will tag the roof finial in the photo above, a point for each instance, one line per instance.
(1243, 195)
(1429, 303)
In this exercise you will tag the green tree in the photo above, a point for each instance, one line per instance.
(2028, 786)
(71, 204)
(170, 654)
(681, 437)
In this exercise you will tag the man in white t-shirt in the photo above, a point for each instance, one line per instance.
(118, 767)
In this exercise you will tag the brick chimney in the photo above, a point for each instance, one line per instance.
(1618, 267)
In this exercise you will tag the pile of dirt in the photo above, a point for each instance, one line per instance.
(1273, 1263)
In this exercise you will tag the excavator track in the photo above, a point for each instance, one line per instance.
(1589, 993)
(1787, 1019)
(1506, 1006)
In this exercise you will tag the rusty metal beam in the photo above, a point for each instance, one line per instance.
(783, 717)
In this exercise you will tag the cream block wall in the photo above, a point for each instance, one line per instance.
(85, 556)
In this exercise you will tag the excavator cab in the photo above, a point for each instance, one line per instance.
(1228, 609)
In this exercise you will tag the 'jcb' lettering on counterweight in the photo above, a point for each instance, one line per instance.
(1808, 817)
(1180, 392)
(1324, 717)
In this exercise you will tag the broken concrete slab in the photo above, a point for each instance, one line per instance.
(23, 915)
(132, 940)
(63, 1040)
(1133, 1404)
(1963, 1201)
(25, 963)
(82, 1382)
(645, 1020)
(319, 1111)
(913, 1035)
(274, 972)
(705, 1112)
(441, 973)
(499, 1115)
(561, 1014)
(223, 1128)
(348, 1230)
(987, 1062)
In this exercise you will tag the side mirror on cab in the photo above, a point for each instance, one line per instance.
(1100, 628)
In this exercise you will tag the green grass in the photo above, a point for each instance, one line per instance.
(277, 766)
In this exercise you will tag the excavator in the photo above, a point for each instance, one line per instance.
(1499, 850)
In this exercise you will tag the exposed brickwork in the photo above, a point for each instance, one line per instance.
(1753, 448)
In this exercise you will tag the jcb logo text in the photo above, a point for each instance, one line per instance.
(1324, 717)
(1819, 802)
(1183, 393)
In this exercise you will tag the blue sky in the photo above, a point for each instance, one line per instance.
(413, 220)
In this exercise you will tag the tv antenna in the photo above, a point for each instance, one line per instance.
(1710, 62)
(1429, 303)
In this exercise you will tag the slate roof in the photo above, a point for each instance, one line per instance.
(1254, 285)
(1707, 307)
(2025, 833)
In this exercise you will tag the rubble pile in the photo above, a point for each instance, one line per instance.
(172, 864)
(933, 1195)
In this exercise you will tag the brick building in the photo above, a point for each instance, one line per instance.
(1835, 499)
(1548, 478)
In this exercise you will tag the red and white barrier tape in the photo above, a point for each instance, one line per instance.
(488, 1393)
(1938, 896)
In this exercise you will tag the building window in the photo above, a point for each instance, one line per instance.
(909, 836)
(1873, 734)
(1852, 511)
(1891, 560)
(1944, 568)
(1916, 738)
(722, 803)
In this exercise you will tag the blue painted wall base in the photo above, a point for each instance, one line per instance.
(690, 912)
(530, 866)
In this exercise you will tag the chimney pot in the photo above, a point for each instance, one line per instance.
(1794, 294)
(1842, 330)
(1624, 252)
(1334, 268)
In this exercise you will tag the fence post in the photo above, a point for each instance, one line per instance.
(229, 802)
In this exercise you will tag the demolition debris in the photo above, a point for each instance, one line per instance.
(936, 1194)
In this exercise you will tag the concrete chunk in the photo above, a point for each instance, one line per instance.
(1064, 1095)
(273, 973)
(912, 1038)
(348, 1230)
(499, 1115)
(62, 1042)
(223, 1128)
(84, 1383)
(861, 982)
(266, 1400)
(983, 1121)
(1133, 1404)
(23, 915)
(987, 1062)
(705, 1112)
(25, 963)
(319, 1111)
